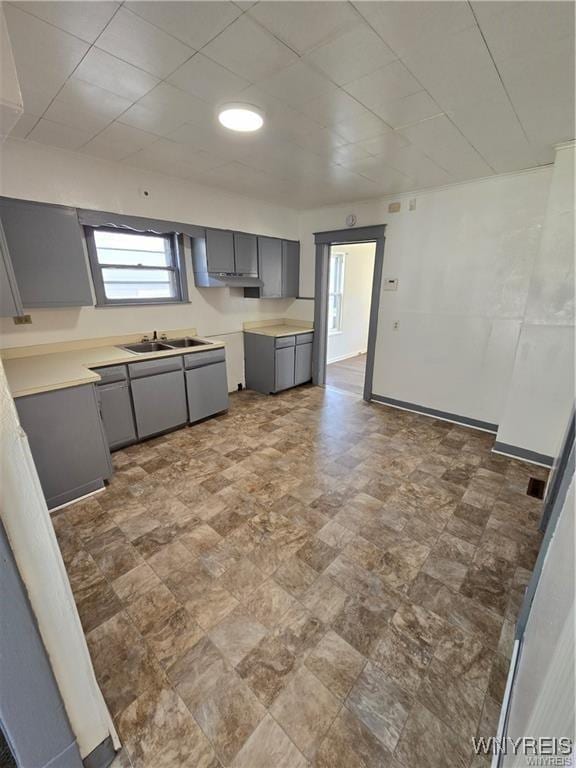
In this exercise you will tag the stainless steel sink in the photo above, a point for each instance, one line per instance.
(147, 346)
(187, 342)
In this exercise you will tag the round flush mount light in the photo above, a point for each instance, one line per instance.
(241, 117)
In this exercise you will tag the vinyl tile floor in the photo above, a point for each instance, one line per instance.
(347, 375)
(307, 580)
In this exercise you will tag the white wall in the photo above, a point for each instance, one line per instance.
(36, 172)
(541, 393)
(464, 259)
(358, 273)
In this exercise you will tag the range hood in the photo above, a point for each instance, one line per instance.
(224, 279)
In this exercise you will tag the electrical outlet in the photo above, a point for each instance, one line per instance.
(22, 320)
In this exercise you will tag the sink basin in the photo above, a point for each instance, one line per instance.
(187, 342)
(147, 346)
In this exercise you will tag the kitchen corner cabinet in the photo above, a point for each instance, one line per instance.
(278, 269)
(67, 442)
(46, 251)
(273, 364)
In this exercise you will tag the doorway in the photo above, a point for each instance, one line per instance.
(329, 306)
(350, 277)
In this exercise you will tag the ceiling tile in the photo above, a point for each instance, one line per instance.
(517, 29)
(164, 109)
(447, 147)
(132, 39)
(207, 80)
(376, 169)
(305, 25)
(24, 125)
(44, 57)
(107, 72)
(82, 19)
(385, 143)
(366, 126)
(249, 50)
(354, 54)
(57, 135)
(195, 23)
(88, 119)
(333, 107)
(409, 109)
(407, 26)
(298, 84)
(117, 141)
(322, 141)
(207, 135)
(375, 90)
(414, 164)
(83, 95)
(349, 154)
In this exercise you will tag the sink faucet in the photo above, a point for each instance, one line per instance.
(155, 336)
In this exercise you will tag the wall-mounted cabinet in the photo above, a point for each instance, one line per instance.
(278, 269)
(45, 251)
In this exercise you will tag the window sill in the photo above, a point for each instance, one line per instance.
(335, 333)
(132, 304)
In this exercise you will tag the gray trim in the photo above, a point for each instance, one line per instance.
(10, 275)
(137, 223)
(523, 453)
(557, 474)
(101, 756)
(374, 312)
(445, 415)
(338, 236)
(323, 241)
(567, 475)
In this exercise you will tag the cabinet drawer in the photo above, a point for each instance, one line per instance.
(305, 338)
(199, 359)
(285, 341)
(111, 374)
(153, 367)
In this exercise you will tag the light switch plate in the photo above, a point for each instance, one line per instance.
(393, 207)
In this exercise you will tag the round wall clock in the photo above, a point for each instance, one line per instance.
(351, 220)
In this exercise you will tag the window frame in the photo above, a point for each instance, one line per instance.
(338, 294)
(177, 267)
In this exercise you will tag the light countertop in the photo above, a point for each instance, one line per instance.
(279, 330)
(31, 374)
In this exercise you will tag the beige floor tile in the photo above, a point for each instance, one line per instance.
(237, 634)
(336, 664)
(269, 746)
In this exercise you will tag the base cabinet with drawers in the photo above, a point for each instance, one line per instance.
(273, 364)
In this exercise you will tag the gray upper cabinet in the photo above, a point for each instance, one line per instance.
(245, 254)
(270, 262)
(10, 301)
(290, 268)
(220, 251)
(45, 247)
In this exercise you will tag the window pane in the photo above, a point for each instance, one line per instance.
(138, 283)
(131, 249)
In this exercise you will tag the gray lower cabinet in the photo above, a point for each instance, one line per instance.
(207, 390)
(284, 368)
(117, 417)
(159, 402)
(273, 364)
(67, 441)
(303, 364)
(46, 251)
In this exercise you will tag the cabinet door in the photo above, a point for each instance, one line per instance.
(220, 251)
(303, 364)
(290, 268)
(116, 411)
(159, 403)
(67, 441)
(46, 249)
(246, 254)
(284, 368)
(207, 390)
(270, 262)
(10, 303)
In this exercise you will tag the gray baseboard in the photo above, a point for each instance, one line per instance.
(101, 756)
(444, 415)
(523, 453)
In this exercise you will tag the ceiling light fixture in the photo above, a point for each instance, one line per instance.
(241, 117)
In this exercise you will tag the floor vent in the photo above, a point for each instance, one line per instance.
(536, 488)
